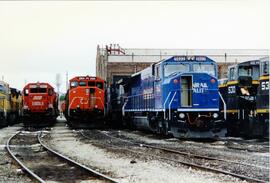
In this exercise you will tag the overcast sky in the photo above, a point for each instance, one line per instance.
(40, 39)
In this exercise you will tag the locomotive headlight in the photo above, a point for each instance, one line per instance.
(215, 115)
(78, 106)
(181, 115)
(212, 81)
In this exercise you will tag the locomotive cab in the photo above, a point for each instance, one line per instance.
(262, 100)
(177, 96)
(10, 104)
(85, 101)
(240, 96)
(40, 101)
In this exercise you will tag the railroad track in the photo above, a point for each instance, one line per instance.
(36, 159)
(185, 153)
(190, 164)
(250, 145)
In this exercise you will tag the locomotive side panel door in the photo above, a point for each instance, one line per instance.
(186, 91)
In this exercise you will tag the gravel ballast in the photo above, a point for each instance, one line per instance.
(127, 167)
(9, 171)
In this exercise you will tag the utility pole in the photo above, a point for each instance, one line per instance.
(58, 82)
(66, 80)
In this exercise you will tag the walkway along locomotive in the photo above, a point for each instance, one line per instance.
(40, 104)
(239, 92)
(178, 95)
(10, 104)
(85, 102)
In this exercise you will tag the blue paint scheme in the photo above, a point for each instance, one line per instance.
(147, 91)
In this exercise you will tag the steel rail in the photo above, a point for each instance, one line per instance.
(31, 173)
(185, 153)
(190, 164)
(68, 160)
(100, 175)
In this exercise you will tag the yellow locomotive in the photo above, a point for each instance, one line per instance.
(10, 104)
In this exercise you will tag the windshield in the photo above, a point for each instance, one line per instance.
(82, 83)
(265, 68)
(38, 90)
(252, 71)
(205, 68)
(170, 69)
(73, 84)
(100, 85)
(3, 89)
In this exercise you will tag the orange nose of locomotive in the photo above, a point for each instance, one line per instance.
(81, 98)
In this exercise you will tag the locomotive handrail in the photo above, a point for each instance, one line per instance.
(141, 101)
(224, 106)
(164, 105)
(170, 104)
(124, 106)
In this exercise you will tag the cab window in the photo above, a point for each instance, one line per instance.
(91, 83)
(26, 92)
(232, 76)
(2, 89)
(100, 85)
(50, 92)
(205, 68)
(73, 84)
(170, 69)
(82, 83)
(38, 90)
(265, 68)
(157, 71)
(252, 71)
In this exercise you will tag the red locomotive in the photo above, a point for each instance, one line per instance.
(85, 102)
(40, 102)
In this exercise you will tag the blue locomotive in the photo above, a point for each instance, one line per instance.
(177, 96)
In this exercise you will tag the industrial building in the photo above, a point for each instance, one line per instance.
(114, 62)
